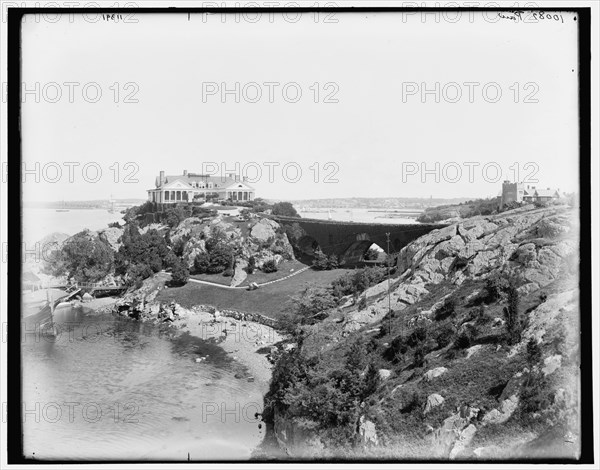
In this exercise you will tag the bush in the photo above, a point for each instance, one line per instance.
(313, 300)
(269, 266)
(251, 265)
(494, 285)
(362, 303)
(320, 261)
(228, 272)
(284, 209)
(419, 357)
(444, 337)
(446, 310)
(332, 262)
(201, 263)
(417, 337)
(463, 341)
(534, 352)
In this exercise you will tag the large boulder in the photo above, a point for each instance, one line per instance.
(264, 230)
(367, 432)
(111, 235)
(433, 400)
(433, 373)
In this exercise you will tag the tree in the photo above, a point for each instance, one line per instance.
(180, 274)
(512, 316)
(201, 263)
(285, 209)
(320, 261)
(82, 258)
(221, 258)
(174, 216)
(148, 249)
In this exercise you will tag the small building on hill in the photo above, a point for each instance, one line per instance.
(519, 192)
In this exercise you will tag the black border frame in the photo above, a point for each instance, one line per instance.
(14, 423)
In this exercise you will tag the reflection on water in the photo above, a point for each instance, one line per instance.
(114, 389)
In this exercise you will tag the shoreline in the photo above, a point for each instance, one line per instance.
(241, 339)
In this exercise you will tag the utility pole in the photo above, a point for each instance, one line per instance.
(387, 262)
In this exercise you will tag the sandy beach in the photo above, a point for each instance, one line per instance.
(242, 339)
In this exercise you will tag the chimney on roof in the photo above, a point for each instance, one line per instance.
(184, 172)
(244, 179)
(161, 177)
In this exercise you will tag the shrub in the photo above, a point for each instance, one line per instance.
(534, 352)
(201, 263)
(494, 285)
(228, 272)
(269, 266)
(371, 255)
(332, 262)
(251, 265)
(419, 357)
(543, 297)
(417, 337)
(446, 310)
(174, 216)
(320, 261)
(463, 341)
(444, 337)
(313, 300)
(284, 209)
(362, 304)
(371, 382)
(482, 318)
(414, 402)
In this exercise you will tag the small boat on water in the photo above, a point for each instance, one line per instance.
(63, 210)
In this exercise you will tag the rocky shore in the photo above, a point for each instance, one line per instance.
(250, 339)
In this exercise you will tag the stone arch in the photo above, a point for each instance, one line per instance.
(308, 245)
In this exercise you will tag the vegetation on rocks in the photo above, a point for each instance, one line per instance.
(472, 356)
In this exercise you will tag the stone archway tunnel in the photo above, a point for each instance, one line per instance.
(351, 240)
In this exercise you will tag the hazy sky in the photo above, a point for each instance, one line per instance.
(370, 133)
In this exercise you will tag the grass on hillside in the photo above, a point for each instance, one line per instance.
(284, 269)
(272, 300)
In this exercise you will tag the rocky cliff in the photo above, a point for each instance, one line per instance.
(479, 357)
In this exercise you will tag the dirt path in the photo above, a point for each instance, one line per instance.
(246, 287)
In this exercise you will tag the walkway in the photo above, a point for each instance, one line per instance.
(208, 283)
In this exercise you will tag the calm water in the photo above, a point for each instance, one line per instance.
(357, 215)
(37, 223)
(110, 388)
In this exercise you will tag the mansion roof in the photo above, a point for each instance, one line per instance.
(193, 180)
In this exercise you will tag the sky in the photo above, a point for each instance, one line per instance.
(305, 107)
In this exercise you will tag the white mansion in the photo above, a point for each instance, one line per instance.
(192, 186)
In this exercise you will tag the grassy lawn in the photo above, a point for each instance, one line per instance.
(216, 278)
(271, 300)
(285, 269)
